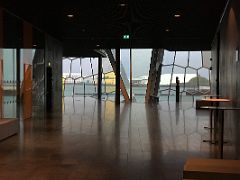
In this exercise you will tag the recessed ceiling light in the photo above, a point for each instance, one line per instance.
(98, 45)
(122, 4)
(167, 30)
(177, 15)
(70, 15)
(34, 45)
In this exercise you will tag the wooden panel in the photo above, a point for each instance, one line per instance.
(8, 127)
(196, 168)
(27, 91)
(27, 35)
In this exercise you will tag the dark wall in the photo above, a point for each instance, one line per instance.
(214, 66)
(229, 68)
(228, 52)
(53, 58)
(38, 78)
(17, 33)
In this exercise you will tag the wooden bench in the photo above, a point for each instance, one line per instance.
(203, 102)
(8, 127)
(200, 103)
(210, 169)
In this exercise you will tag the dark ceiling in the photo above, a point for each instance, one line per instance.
(150, 23)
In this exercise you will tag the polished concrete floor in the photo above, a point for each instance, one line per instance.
(96, 140)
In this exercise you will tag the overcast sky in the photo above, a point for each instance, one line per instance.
(141, 62)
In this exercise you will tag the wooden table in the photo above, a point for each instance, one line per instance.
(214, 102)
(211, 96)
(221, 121)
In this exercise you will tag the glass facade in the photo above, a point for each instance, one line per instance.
(193, 70)
(141, 59)
(80, 75)
(9, 93)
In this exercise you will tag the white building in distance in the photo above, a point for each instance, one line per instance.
(166, 78)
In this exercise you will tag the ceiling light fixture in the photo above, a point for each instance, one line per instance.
(70, 15)
(122, 4)
(167, 30)
(126, 36)
(177, 15)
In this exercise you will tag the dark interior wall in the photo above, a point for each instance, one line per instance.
(16, 33)
(38, 78)
(214, 66)
(229, 67)
(53, 58)
(228, 55)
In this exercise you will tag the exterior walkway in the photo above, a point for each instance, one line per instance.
(92, 140)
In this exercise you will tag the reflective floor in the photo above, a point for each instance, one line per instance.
(96, 140)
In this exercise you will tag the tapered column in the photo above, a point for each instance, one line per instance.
(154, 75)
(117, 75)
(99, 77)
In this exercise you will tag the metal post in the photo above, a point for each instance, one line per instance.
(84, 89)
(222, 133)
(117, 76)
(177, 89)
(18, 81)
(131, 98)
(99, 77)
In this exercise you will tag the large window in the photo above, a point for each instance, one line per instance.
(79, 76)
(8, 96)
(193, 71)
(141, 59)
(108, 80)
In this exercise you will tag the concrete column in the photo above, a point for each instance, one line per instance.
(154, 75)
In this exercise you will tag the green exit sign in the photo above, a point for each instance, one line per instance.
(126, 36)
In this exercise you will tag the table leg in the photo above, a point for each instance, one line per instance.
(222, 134)
(216, 125)
(211, 122)
(211, 129)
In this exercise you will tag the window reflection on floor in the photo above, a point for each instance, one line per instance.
(174, 127)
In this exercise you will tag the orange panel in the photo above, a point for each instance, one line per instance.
(27, 91)
(1, 84)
